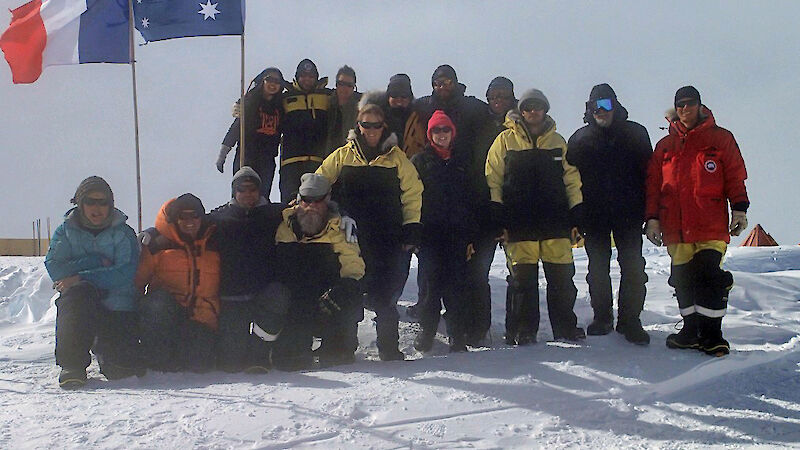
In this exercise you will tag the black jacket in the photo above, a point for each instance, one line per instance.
(246, 240)
(262, 130)
(613, 166)
(448, 204)
(305, 124)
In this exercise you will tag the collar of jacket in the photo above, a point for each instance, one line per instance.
(321, 84)
(261, 202)
(72, 219)
(515, 122)
(385, 145)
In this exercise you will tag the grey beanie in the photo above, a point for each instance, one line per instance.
(532, 95)
(244, 175)
(313, 185)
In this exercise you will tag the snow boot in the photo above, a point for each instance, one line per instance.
(424, 341)
(711, 340)
(391, 355)
(600, 327)
(70, 379)
(458, 344)
(633, 331)
(574, 335)
(687, 338)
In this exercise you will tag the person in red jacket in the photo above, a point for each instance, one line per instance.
(695, 172)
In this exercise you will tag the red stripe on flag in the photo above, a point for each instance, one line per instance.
(24, 41)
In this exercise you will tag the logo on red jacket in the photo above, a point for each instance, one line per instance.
(710, 165)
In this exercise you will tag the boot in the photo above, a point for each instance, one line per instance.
(457, 344)
(72, 378)
(599, 327)
(573, 334)
(687, 338)
(711, 340)
(424, 341)
(633, 331)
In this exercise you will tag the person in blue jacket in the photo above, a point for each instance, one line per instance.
(92, 260)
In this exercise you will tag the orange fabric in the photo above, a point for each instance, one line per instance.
(188, 271)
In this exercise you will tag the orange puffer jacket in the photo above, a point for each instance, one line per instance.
(187, 270)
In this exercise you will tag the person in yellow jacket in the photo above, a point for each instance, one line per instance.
(375, 184)
(534, 193)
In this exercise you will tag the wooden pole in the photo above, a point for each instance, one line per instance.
(38, 237)
(241, 109)
(135, 116)
(33, 241)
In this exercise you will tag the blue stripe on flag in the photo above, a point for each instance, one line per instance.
(104, 32)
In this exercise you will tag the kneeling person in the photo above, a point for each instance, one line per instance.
(180, 268)
(323, 272)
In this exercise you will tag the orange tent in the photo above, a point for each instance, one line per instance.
(759, 238)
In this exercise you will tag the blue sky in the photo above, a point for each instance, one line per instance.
(78, 121)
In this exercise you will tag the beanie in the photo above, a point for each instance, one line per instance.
(184, 202)
(440, 119)
(444, 71)
(687, 92)
(244, 175)
(602, 91)
(272, 73)
(93, 184)
(399, 85)
(306, 66)
(500, 83)
(533, 95)
(313, 185)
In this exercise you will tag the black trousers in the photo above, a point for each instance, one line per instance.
(84, 324)
(478, 305)
(290, 178)
(632, 290)
(170, 340)
(385, 263)
(237, 349)
(443, 265)
(264, 167)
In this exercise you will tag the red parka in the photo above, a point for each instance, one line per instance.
(187, 270)
(691, 178)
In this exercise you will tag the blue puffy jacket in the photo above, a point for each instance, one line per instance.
(77, 251)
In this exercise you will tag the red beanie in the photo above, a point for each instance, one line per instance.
(440, 119)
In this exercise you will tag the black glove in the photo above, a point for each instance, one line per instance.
(341, 297)
(499, 218)
(577, 217)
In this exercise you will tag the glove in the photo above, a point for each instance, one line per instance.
(348, 225)
(236, 110)
(223, 153)
(577, 216)
(146, 236)
(340, 297)
(653, 231)
(411, 235)
(499, 216)
(470, 251)
(738, 222)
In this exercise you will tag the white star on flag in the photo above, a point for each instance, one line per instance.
(209, 10)
(145, 22)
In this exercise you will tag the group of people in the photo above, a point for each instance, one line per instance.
(249, 285)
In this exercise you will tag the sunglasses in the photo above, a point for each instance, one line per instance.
(687, 102)
(88, 201)
(345, 83)
(188, 215)
(399, 96)
(533, 106)
(246, 188)
(309, 199)
(442, 83)
(499, 98)
(270, 80)
(603, 103)
(370, 125)
(437, 130)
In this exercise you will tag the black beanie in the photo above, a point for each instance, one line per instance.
(602, 91)
(500, 83)
(687, 92)
(306, 66)
(184, 202)
(399, 84)
(93, 184)
(444, 71)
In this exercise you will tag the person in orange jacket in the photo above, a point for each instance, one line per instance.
(180, 267)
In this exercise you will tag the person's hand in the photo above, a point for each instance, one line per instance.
(236, 110)
(66, 283)
(653, 231)
(575, 235)
(738, 222)
(223, 153)
(348, 225)
(470, 251)
(503, 237)
(144, 238)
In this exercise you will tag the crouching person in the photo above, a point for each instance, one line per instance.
(322, 272)
(180, 269)
(92, 259)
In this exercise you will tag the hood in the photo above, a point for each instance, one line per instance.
(170, 230)
(620, 114)
(373, 98)
(384, 146)
(117, 217)
(678, 129)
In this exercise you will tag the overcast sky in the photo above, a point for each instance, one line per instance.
(77, 121)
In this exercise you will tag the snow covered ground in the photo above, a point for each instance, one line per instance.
(602, 394)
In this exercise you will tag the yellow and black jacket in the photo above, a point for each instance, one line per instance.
(383, 194)
(533, 180)
(310, 265)
(305, 124)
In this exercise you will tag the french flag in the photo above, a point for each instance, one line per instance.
(61, 32)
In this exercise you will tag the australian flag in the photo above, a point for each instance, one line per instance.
(158, 20)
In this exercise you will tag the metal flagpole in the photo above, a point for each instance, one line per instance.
(241, 110)
(135, 115)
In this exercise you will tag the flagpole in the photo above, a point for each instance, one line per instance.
(241, 109)
(135, 114)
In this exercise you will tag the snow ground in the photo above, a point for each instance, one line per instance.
(601, 394)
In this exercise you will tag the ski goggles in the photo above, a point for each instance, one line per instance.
(603, 103)
(188, 215)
